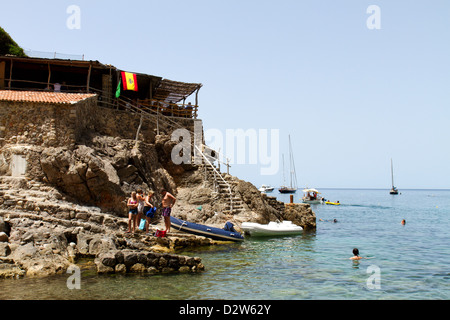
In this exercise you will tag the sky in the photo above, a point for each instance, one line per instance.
(352, 87)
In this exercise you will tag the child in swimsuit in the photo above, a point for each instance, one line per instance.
(132, 212)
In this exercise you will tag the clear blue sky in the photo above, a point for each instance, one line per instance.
(350, 97)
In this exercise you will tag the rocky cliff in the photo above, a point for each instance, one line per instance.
(71, 202)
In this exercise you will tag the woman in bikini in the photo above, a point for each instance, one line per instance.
(132, 211)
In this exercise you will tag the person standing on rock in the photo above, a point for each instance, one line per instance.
(132, 211)
(140, 208)
(168, 202)
(149, 209)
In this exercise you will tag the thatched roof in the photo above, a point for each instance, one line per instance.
(175, 91)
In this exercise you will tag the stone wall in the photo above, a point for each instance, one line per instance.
(124, 124)
(87, 151)
(123, 261)
(43, 124)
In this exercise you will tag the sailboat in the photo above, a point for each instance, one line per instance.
(394, 190)
(293, 177)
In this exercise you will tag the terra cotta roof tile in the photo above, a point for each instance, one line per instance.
(43, 97)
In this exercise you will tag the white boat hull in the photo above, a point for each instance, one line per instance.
(262, 189)
(272, 229)
(312, 201)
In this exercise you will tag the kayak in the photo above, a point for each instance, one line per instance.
(271, 229)
(333, 203)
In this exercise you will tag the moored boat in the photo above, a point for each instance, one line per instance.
(266, 188)
(311, 196)
(393, 190)
(284, 228)
(226, 234)
(287, 190)
(292, 188)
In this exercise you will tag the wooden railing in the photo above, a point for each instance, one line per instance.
(153, 106)
(169, 109)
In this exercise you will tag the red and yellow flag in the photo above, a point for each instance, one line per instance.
(129, 81)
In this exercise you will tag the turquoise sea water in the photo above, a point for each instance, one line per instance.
(410, 261)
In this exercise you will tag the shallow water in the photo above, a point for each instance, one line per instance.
(406, 262)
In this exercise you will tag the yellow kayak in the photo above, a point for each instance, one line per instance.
(333, 203)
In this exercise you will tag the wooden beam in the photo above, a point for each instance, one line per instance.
(49, 76)
(89, 77)
(196, 103)
(2, 74)
(151, 89)
(10, 74)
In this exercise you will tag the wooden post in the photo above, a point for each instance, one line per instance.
(157, 119)
(2, 74)
(49, 76)
(138, 130)
(151, 89)
(196, 96)
(89, 77)
(10, 73)
(291, 198)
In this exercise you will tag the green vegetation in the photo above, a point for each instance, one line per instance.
(9, 46)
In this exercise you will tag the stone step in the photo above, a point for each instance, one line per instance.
(109, 222)
(46, 205)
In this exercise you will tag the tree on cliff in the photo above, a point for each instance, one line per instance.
(9, 46)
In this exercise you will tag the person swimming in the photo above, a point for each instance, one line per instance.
(356, 255)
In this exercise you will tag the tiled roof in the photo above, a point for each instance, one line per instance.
(43, 97)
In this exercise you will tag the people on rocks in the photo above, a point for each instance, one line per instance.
(140, 205)
(149, 209)
(141, 199)
(167, 203)
(132, 212)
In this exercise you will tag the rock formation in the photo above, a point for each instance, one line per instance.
(71, 201)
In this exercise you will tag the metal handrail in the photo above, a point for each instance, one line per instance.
(220, 175)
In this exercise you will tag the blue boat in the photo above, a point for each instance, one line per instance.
(226, 234)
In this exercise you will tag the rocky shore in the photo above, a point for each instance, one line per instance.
(71, 201)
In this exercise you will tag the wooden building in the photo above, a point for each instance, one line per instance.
(154, 92)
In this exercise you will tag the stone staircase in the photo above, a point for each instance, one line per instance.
(223, 186)
(21, 198)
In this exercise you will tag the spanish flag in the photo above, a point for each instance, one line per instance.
(129, 81)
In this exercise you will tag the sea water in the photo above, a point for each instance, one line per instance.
(410, 261)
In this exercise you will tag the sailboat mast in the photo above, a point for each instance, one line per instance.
(293, 177)
(392, 174)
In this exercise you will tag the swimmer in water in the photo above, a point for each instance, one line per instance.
(356, 255)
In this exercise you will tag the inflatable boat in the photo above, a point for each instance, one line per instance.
(284, 228)
(333, 203)
(226, 234)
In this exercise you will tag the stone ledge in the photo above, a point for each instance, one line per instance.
(130, 261)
